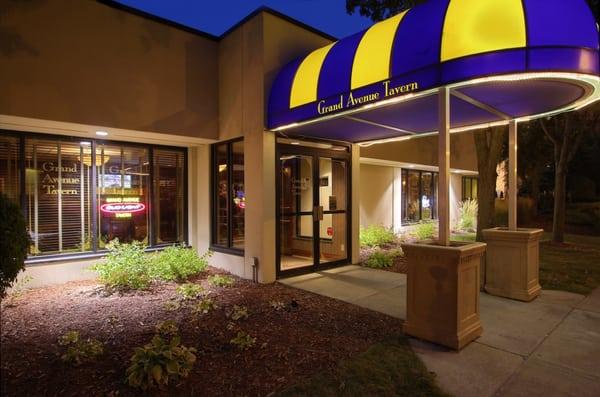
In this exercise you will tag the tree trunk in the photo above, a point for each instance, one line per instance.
(488, 145)
(560, 204)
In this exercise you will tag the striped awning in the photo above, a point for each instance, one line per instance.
(503, 58)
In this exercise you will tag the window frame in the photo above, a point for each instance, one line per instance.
(96, 252)
(434, 193)
(214, 246)
(464, 187)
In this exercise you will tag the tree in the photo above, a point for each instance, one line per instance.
(14, 242)
(566, 132)
(378, 10)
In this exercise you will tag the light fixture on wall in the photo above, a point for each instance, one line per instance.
(101, 133)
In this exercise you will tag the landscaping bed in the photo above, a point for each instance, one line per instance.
(298, 335)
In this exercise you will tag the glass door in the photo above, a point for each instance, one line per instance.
(312, 219)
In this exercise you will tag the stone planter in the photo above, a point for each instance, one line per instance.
(513, 263)
(443, 292)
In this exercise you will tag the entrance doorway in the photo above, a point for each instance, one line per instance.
(313, 202)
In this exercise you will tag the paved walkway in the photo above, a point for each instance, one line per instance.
(548, 347)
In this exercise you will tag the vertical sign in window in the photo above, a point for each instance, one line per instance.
(123, 181)
(168, 191)
(229, 195)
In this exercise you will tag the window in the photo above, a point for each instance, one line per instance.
(79, 195)
(228, 195)
(469, 188)
(419, 195)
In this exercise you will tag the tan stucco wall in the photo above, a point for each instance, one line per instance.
(376, 195)
(86, 62)
(424, 151)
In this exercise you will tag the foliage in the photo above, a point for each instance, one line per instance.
(159, 363)
(243, 341)
(172, 305)
(79, 350)
(204, 306)
(178, 263)
(389, 368)
(376, 236)
(126, 266)
(190, 290)
(468, 215)
(381, 259)
(239, 313)
(378, 10)
(14, 242)
(277, 305)
(424, 231)
(219, 280)
(167, 328)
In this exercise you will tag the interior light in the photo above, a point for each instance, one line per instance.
(295, 143)
(101, 133)
(85, 143)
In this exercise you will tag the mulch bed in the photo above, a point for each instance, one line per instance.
(305, 338)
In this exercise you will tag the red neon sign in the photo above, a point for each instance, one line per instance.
(122, 208)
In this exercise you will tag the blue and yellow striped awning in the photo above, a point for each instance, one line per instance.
(438, 43)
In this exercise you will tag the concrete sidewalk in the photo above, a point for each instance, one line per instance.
(548, 347)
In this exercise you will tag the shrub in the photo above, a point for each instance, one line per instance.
(468, 215)
(14, 242)
(125, 267)
(160, 362)
(78, 350)
(167, 328)
(178, 263)
(382, 259)
(190, 291)
(239, 313)
(243, 341)
(376, 235)
(424, 231)
(219, 280)
(204, 306)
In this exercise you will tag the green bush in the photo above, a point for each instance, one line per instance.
(219, 280)
(468, 215)
(424, 231)
(125, 267)
(178, 263)
(14, 242)
(204, 306)
(382, 259)
(376, 236)
(239, 313)
(190, 291)
(78, 350)
(160, 362)
(243, 341)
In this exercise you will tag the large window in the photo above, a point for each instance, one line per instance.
(78, 195)
(419, 195)
(228, 195)
(469, 188)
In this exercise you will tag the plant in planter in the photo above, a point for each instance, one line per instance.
(14, 242)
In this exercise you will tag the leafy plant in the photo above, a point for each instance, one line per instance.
(14, 242)
(79, 350)
(380, 259)
(376, 236)
(277, 305)
(243, 341)
(126, 266)
(239, 313)
(167, 328)
(424, 231)
(190, 290)
(172, 305)
(204, 306)
(178, 263)
(219, 280)
(468, 215)
(160, 362)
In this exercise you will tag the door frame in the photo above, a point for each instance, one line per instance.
(315, 153)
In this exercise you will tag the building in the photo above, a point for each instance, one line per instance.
(116, 124)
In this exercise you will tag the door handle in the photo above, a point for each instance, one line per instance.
(318, 213)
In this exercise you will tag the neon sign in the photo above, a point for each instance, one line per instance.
(120, 208)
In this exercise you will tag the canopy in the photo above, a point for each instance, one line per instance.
(503, 60)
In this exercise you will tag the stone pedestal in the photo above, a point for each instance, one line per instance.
(513, 263)
(443, 292)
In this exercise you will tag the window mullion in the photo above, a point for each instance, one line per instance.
(229, 195)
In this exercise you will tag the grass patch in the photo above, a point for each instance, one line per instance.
(388, 368)
(569, 267)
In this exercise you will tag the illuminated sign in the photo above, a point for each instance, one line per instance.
(122, 207)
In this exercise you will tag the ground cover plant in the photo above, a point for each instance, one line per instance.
(376, 236)
(79, 350)
(278, 359)
(219, 280)
(383, 259)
